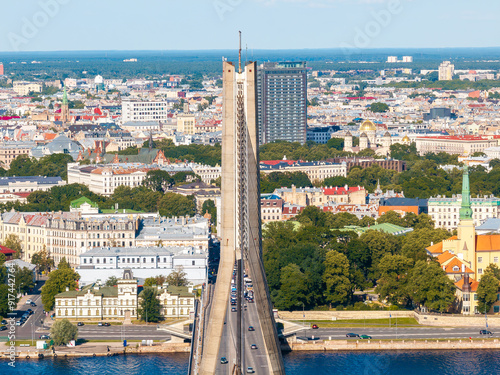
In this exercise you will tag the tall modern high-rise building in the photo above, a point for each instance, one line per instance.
(282, 102)
(1, 69)
(446, 71)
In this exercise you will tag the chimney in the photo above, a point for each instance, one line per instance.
(463, 267)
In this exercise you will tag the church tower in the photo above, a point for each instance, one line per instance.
(65, 107)
(466, 232)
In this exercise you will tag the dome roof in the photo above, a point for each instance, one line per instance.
(406, 138)
(367, 125)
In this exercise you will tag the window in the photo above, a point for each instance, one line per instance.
(480, 259)
(475, 297)
(479, 270)
(496, 309)
(495, 259)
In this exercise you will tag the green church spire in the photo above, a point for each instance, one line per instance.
(465, 210)
(65, 97)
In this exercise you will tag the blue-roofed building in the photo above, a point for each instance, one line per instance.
(60, 145)
(28, 184)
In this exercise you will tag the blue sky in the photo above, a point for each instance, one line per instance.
(55, 25)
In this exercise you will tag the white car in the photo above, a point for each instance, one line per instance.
(250, 370)
(28, 302)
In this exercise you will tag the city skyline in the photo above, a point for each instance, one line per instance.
(55, 25)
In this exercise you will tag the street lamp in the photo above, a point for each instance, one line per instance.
(32, 334)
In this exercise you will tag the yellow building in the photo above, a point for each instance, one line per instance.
(186, 123)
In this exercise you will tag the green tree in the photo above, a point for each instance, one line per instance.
(42, 260)
(58, 281)
(294, 291)
(487, 292)
(157, 280)
(24, 279)
(62, 332)
(379, 107)
(415, 243)
(337, 278)
(493, 270)
(4, 299)
(111, 281)
(63, 264)
(391, 217)
(13, 242)
(172, 204)
(429, 286)
(3, 258)
(149, 305)
(336, 143)
(177, 277)
(158, 180)
(393, 282)
(380, 244)
(209, 207)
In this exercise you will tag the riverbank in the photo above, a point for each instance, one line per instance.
(388, 345)
(113, 349)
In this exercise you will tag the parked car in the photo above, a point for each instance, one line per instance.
(107, 324)
(315, 326)
(3, 328)
(365, 337)
(223, 360)
(19, 322)
(79, 324)
(485, 332)
(100, 324)
(352, 335)
(253, 346)
(29, 311)
(251, 328)
(45, 337)
(4, 322)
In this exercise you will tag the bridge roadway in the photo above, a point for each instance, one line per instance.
(255, 358)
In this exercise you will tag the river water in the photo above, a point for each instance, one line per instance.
(480, 362)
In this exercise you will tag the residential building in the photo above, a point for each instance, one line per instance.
(457, 144)
(320, 196)
(23, 88)
(446, 71)
(271, 208)
(445, 211)
(96, 302)
(9, 150)
(101, 263)
(407, 59)
(143, 111)
(176, 301)
(186, 123)
(321, 134)
(282, 102)
(392, 59)
(29, 184)
(317, 171)
(403, 206)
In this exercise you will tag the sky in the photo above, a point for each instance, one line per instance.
(60, 25)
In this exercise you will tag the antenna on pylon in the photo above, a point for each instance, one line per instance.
(239, 56)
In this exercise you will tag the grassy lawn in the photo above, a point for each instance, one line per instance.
(402, 322)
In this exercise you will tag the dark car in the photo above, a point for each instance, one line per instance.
(352, 335)
(251, 328)
(233, 309)
(44, 337)
(79, 324)
(29, 311)
(4, 322)
(485, 332)
(107, 324)
(3, 328)
(223, 360)
(253, 346)
(33, 304)
(315, 326)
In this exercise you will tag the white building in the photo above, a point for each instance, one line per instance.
(136, 110)
(407, 59)
(446, 211)
(29, 184)
(446, 71)
(101, 263)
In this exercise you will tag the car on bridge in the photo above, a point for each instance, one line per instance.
(233, 309)
(253, 346)
(251, 328)
(223, 360)
(365, 337)
(250, 370)
(352, 335)
(485, 332)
